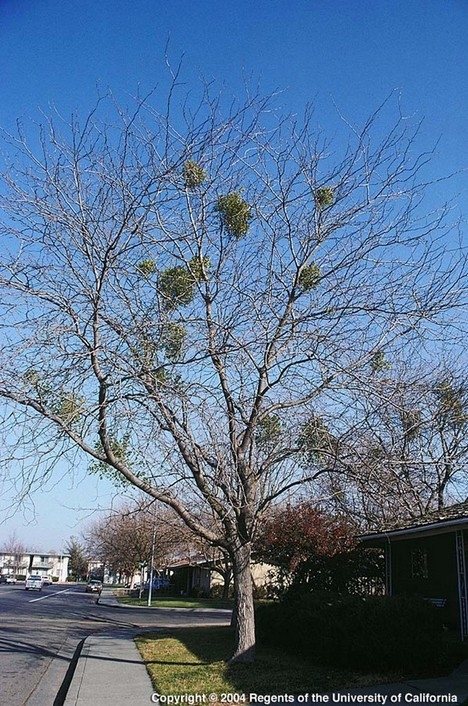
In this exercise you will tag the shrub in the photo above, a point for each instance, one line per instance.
(368, 634)
(198, 592)
(217, 591)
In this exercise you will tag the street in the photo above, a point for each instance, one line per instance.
(34, 627)
(40, 631)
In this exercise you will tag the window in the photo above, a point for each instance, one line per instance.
(419, 564)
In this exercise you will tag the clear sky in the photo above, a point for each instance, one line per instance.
(346, 53)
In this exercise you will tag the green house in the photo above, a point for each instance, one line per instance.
(427, 557)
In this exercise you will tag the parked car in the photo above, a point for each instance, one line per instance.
(34, 581)
(94, 586)
(47, 580)
(7, 578)
(159, 584)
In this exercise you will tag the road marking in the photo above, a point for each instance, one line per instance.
(49, 595)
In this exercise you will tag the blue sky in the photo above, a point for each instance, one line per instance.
(346, 53)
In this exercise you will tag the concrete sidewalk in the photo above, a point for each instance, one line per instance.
(110, 671)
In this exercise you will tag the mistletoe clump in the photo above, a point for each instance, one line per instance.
(451, 407)
(268, 430)
(309, 277)
(194, 175)
(199, 266)
(316, 441)
(234, 213)
(174, 337)
(324, 197)
(176, 285)
(379, 363)
(146, 267)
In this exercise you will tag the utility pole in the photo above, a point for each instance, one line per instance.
(153, 543)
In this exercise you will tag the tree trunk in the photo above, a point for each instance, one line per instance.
(243, 618)
(227, 580)
(226, 584)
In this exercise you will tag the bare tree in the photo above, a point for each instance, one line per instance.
(185, 295)
(16, 550)
(408, 453)
(123, 540)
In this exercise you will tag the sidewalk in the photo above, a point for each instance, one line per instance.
(110, 672)
(109, 669)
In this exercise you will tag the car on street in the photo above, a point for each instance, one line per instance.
(34, 582)
(94, 586)
(7, 578)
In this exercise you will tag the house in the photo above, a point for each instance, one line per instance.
(49, 565)
(196, 574)
(427, 556)
(190, 574)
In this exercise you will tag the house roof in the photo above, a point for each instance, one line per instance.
(433, 522)
(188, 560)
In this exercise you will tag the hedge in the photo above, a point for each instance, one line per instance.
(367, 634)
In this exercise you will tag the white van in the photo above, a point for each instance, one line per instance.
(34, 581)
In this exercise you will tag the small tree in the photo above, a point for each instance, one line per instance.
(314, 551)
(78, 561)
(16, 550)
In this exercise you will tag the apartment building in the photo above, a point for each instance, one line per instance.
(49, 565)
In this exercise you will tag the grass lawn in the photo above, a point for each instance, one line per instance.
(168, 602)
(193, 661)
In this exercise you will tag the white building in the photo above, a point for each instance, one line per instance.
(52, 566)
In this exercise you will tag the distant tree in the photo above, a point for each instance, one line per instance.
(123, 540)
(78, 561)
(219, 562)
(183, 291)
(16, 550)
(408, 452)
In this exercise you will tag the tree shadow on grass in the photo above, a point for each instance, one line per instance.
(272, 671)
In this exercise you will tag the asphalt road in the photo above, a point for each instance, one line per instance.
(35, 628)
(40, 631)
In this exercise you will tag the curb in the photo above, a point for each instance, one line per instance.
(50, 688)
(70, 695)
(69, 676)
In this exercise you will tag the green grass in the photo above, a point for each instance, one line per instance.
(194, 661)
(168, 602)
